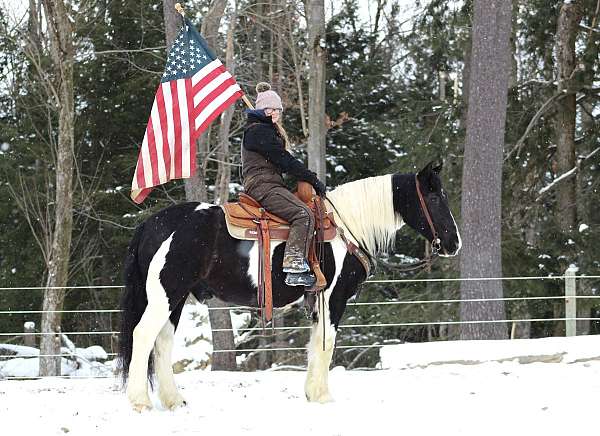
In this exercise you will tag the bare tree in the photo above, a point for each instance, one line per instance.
(62, 55)
(482, 169)
(223, 155)
(315, 17)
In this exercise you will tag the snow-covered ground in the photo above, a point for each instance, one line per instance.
(192, 349)
(418, 395)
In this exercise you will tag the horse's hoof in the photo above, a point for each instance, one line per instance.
(141, 406)
(321, 398)
(139, 403)
(174, 403)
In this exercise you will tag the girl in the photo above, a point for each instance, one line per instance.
(264, 159)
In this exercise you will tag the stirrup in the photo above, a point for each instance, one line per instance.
(297, 267)
(300, 279)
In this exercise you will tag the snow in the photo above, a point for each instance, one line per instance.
(193, 341)
(583, 227)
(192, 349)
(417, 395)
(22, 367)
(18, 350)
(93, 353)
(557, 350)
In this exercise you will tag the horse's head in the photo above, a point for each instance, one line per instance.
(424, 207)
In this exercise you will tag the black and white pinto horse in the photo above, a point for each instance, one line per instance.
(186, 249)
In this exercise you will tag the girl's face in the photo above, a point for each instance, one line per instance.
(275, 114)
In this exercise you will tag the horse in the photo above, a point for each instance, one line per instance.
(186, 248)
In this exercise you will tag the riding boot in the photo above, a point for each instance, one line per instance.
(294, 262)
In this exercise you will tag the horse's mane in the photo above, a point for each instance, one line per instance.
(366, 207)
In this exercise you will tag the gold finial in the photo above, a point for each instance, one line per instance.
(179, 9)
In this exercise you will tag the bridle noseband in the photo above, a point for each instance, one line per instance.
(436, 243)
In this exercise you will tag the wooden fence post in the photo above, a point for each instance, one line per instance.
(29, 330)
(570, 301)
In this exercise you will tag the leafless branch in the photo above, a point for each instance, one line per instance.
(121, 51)
(533, 122)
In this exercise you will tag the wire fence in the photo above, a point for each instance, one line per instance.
(570, 298)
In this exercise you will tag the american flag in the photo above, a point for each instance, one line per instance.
(195, 89)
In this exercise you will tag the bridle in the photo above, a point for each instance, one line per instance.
(436, 243)
(362, 253)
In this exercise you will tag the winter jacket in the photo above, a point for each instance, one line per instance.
(264, 157)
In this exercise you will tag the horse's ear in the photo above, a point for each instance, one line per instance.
(426, 171)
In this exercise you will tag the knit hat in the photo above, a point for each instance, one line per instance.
(266, 98)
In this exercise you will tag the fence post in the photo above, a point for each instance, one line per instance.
(29, 339)
(570, 301)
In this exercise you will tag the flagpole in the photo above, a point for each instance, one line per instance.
(179, 9)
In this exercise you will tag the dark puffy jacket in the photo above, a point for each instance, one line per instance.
(264, 157)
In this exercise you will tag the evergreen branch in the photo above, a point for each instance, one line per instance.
(573, 171)
(534, 120)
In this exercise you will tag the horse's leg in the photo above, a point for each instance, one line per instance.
(167, 389)
(156, 314)
(319, 356)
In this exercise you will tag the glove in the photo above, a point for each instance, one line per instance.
(319, 187)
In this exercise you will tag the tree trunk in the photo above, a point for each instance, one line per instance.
(466, 76)
(316, 87)
(222, 340)
(195, 189)
(482, 169)
(258, 68)
(564, 125)
(61, 49)
(297, 71)
(224, 168)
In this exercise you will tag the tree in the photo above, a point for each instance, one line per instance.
(482, 169)
(62, 54)
(564, 125)
(315, 17)
(196, 189)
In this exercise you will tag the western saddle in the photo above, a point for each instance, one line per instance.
(246, 219)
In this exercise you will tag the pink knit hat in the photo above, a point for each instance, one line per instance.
(266, 98)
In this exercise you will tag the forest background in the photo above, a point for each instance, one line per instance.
(396, 98)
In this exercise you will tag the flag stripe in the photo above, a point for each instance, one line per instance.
(166, 154)
(146, 161)
(139, 180)
(158, 141)
(176, 128)
(188, 90)
(166, 87)
(185, 128)
(152, 151)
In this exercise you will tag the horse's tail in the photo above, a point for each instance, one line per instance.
(133, 304)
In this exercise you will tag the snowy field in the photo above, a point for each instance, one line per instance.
(488, 393)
